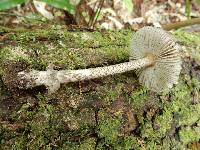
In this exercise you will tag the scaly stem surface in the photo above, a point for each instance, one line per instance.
(91, 73)
(53, 78)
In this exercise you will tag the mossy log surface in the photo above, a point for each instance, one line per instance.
(114, 112)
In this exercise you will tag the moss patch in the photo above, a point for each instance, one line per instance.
(114, 112)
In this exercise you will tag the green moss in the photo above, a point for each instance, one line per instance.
(4, 54)
(81, 116)
(67, 49)
(178, 112)
(88, 144)
(187, 38)
(189, 134)
(139, 97)
(189, 115)
(163, 123)
(131, 142)
(109, 128)
(191, 42)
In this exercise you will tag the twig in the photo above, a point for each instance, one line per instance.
(180, 24)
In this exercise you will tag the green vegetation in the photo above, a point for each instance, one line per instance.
(114, 112)
(63, 4)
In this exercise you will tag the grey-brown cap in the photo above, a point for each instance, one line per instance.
(163, 47)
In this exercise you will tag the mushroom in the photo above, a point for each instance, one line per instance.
(154, 53)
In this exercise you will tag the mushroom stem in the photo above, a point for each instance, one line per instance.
(53, 78)
(65, 76)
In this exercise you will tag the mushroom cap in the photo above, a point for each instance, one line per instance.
(163, 47)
